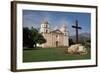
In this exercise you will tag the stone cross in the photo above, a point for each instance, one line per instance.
(76, 27)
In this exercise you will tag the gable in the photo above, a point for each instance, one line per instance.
(56, 31)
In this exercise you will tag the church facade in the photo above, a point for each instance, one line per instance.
(54, 38)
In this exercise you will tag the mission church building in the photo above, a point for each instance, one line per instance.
(54, 38)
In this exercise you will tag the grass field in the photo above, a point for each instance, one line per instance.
(51, 54)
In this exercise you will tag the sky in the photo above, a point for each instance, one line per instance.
(33, 18)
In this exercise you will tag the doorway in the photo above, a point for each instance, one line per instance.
(56, 43)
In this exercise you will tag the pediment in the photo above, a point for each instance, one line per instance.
(56, 31)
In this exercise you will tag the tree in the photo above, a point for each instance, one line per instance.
(31, 37)
(41, 39)
(26, 37)
(71, 41)
(34, 37)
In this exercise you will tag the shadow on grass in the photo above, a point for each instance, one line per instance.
(31, 48)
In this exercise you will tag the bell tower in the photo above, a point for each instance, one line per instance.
(64, 30)
(44, 27)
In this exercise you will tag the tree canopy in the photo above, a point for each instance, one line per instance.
(31, 37)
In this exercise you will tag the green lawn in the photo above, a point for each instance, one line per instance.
(51, 54)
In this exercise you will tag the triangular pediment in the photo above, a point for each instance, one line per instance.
(56, 31)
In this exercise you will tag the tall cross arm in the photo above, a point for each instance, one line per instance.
(76, 27)
(79, 27)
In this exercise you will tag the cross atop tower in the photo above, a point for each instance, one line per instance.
(76, 27)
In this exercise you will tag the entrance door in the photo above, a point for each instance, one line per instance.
(56, 43)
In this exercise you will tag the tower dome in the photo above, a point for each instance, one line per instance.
(45, 22)
(63, 28)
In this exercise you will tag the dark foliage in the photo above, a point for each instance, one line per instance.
(31, 37)
(71, 42)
